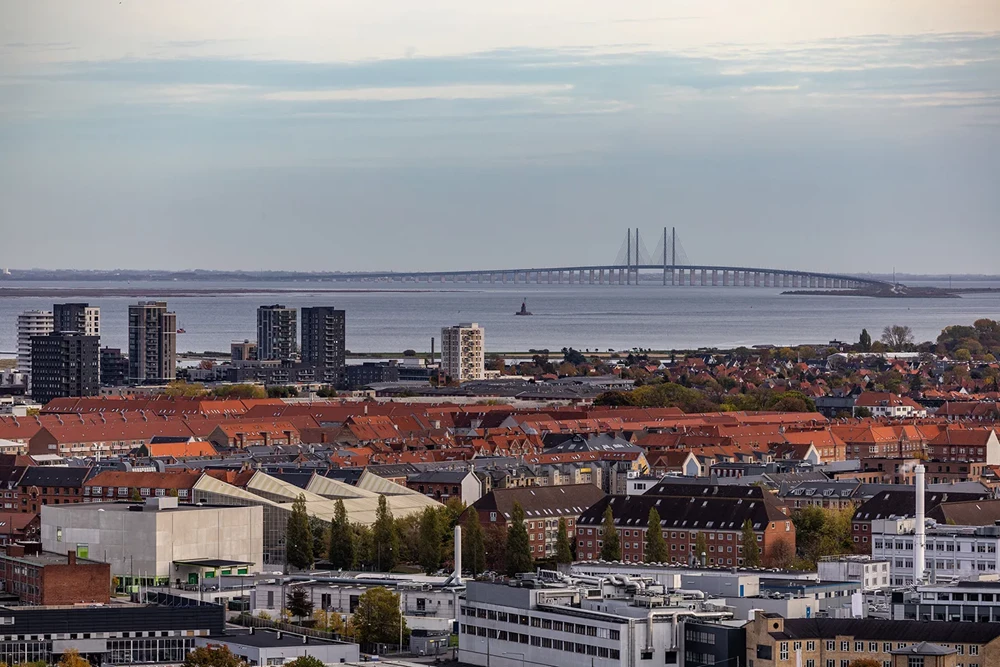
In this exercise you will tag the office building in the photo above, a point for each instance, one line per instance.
(324, 342)
(242, 351)
(64, 363)
(276, 332)
(951, 551)
(152, 343)
(114, 367)
(463, 352)
(79, 317)
(30, 323)
(602, 624)
(967, 601)
(258, 646)
(120, 633)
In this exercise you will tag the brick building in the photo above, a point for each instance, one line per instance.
(773, 641)
(719, 513)
(43, 578)
(543, 507)
(121, 485)
(51, 485)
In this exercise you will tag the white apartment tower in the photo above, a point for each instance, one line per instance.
(463, 352)
(30, 323)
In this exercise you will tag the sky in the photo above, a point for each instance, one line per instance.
(335, 135)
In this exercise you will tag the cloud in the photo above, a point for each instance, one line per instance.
(410, 93)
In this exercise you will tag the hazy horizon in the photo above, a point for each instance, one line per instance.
(330, 136)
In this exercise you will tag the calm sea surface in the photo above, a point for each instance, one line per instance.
(393, 318)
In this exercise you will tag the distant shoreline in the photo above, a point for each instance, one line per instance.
(97, 292)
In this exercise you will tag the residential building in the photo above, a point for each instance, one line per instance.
(152, 343)
(30, 323)
(369, 372)
(773, 641)
(324, 341)
(886, 404)
(243, 351)
(38, 577)
(463, 356)
(120, 633)
(39, 486)
(543, 507)
(277, 333)
(114, 367)
(974, 445)
(79, 317)
(259, 646)
(122, 485)
(64, 364)
(569, 625)
(159, 542)
(682, 517)
(441, 485)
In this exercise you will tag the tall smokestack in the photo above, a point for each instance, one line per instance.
(458, 555)
(919, 537)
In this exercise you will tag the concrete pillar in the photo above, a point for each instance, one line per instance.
(704, 273)
(581, 277)
(600, 278)
(591, 276)
(621, 276)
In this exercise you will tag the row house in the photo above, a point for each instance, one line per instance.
(979, 445)
(50, 485)
(682, 518)
(105, 438)
(543, 508)
(115, 485)
(240, 434)
(885, 404)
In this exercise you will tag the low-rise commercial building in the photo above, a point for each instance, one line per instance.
(954, 552)
(258, 647)
(570, 625)
(158, 542)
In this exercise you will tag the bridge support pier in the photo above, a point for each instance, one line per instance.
(591, 276)
(704, 273)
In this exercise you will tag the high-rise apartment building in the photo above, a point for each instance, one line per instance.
(243, 351)
(30, 323)
(114, 367)
(64, 363)
(463, 356)
(80, 317)
(324, 342)
(152, 343)
(276, 332)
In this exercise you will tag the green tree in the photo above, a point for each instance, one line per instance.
(306, 661)
(897, 338)
(700, 547)
(240, 391)
(564, 552)
(611, 547)
(342, 538)
(364, 546)
(377, 619)
(385, 537)
(474, 544)
(135, 496)
(656, 546)
(298, 602)
(865, 341)
(751, 550)
(212, 656)
(782, 554)
(298, 536)
(495, 546)
(429, 540)
(518, 551)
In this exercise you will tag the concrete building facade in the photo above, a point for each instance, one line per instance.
(65, 364)
(324, 340)
(30, 323)
(158, 542)
(463, 356)
(152, 343)
(79, 317)
(277, 332)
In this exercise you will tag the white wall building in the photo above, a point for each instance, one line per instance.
(30, 323)
(463, 356)
(952, 552)
(503, 626)
(871, 573)
(162, 541)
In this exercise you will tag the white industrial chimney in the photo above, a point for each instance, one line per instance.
(458, 556)
(919, 537)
